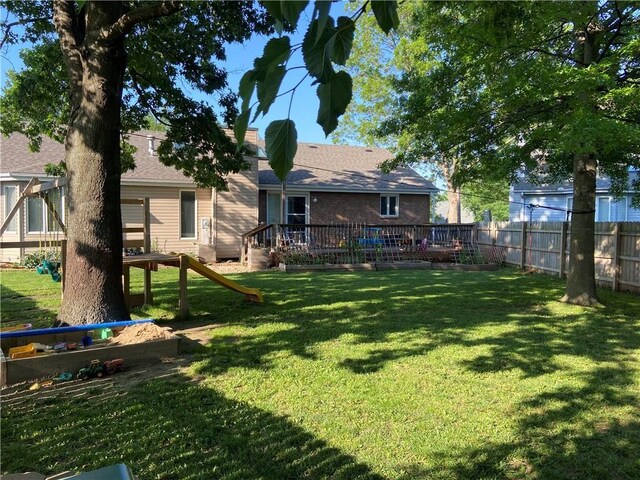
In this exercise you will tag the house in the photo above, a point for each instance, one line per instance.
(329, 184)
(554, 202)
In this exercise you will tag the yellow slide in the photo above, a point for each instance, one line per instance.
(251, 294)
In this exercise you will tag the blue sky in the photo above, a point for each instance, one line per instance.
(240, 59)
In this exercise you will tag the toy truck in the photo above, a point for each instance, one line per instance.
(113, 366)
(94, 369)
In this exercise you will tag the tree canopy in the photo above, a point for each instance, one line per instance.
(183, 46)
(546, 89)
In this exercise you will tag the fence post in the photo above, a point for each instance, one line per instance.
(563, 248)
(616, 257)
(493, 233)
(523, 245)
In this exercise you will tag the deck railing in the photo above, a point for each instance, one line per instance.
(362, 243)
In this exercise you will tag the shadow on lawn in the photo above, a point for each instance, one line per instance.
(18, 308)
(168, 430)
(558, 433)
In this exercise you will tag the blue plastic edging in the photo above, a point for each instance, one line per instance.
(74, 328)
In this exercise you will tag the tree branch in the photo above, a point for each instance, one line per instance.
(8, 26)
(64, 20)
(129, 20)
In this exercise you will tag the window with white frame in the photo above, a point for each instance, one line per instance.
(569, 207)
(609, 209)
(389, 205)
(187, 214)
(35, 215)
(10, 194)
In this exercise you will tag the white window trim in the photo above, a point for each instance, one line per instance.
(612, 202)
(16, 217)
(195, 215)
(397, 205)
(306, 207)
(43, 214)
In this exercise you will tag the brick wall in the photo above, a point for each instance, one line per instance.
(357, 208)
(364, 208)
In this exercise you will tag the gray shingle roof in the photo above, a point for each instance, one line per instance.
(16, 158)
(342, 167)
(328, 167)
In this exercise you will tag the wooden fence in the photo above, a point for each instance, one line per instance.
(545, 246)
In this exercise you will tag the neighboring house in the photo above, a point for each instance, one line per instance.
(559, 197)
(330, 184)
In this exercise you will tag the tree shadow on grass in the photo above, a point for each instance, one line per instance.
(169, 430)
(588, 427)
(561, 434)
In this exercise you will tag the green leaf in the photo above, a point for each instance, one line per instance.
(322, 8)
(80, 5)
(386, 13)
(291, 10)
(240, 128)
(334, 99)
(268, 89)
(274, 9)
(247, 86)
(276, 51)
(285, 11)
(317, 55)
(344, 40)
(281, 145)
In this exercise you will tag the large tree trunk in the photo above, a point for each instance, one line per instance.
(581, 284)
(453, 197)
(93, 277)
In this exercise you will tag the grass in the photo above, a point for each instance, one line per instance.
(394, 375)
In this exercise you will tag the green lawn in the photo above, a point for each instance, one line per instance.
(394, 375)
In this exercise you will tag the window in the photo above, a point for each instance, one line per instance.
(35, 215)
(187, 214)
(388, 205)
(610, 210)
(296, 210)
(56, 197)
(10, 197)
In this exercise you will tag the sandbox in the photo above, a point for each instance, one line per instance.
(136, 344)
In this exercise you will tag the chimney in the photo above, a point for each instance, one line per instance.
(152, 145)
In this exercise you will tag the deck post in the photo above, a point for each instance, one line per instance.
(184, 302)
(148, 297)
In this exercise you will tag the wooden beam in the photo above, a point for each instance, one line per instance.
(30, 244)
(16, 207)
(184, 301)
(52, 209)
(45, 186)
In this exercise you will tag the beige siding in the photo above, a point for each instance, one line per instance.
(164, 204)
(236, 211)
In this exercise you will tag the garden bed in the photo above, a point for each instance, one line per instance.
(402, 265)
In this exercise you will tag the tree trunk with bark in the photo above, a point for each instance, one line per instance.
(93, 276)
(581, 284)
(453, 197)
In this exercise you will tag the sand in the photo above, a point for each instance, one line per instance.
(141, 332)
